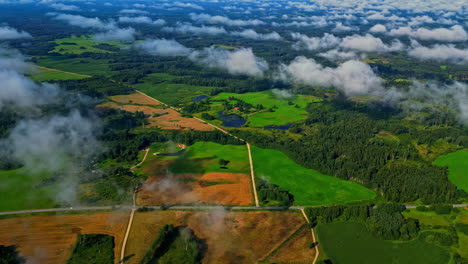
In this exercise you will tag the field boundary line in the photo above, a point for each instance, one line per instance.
(275, 250)
(252, 175)
(77, 74)
(317, 252)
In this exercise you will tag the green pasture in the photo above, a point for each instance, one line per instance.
(85, 66)
(79, 45)
(309, 187)
(45, 75)
(351, 242)
(284, 111)
(457, 163)
(21, 190)
(159, 86)
(202, 157)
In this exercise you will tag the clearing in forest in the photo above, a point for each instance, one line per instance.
(85, 66)
(457, 163)
(230, 237)
(280, 107)
(50, 239)
(46, 74)
(161, 87)
(309, 187)
(82, 44)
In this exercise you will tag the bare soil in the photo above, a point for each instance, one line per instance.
(230, 237)
(212, 188)
(50, 239)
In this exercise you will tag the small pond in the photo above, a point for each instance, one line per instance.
(199, 98)
(231, 120)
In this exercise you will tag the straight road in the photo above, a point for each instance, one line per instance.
(175, 207)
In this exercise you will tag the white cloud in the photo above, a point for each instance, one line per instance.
(110, 29)
(448, 53)
(120, 34)
(453, 96)
(85, 22)
(369, 43)
(205, 18)
(455, 33)
(338, 55)
(379, 28)
(133, 11)
(342, 28)
(314, 43)
(142, 20)
(352, 77)
(7, 33)
(252, 34)
(20, 90)
(162, 47)
(187, 5)
(189, 28)
(63, 7)
(241, 61)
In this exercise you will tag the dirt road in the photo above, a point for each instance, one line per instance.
(144, 158)
(317, 252)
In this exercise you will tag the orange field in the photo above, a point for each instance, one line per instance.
(162, 117)
(231, 237)
(134, 98)
(296, 250)
(50, 239)
(212, 188)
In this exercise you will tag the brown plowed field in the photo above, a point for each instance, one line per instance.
(213, 188)
(157, 117)
(231, 237)
(134, 98)
(49, 239)
(296, 250)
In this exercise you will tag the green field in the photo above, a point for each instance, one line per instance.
(81, 45)
(83, 66)
(351, 242)
(19, 191)
(457, 163)
(309, 187)
(45, 75)
(284, 114)
(203, 157)
(159, 86)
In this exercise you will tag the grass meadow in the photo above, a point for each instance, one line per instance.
(285, 112)
(203, 157)
(45, 75)
(309, 187)
(158, 85)
(351, 242)
(21, 190)
(457, 163)
(85, 66)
